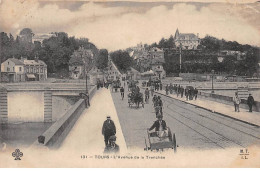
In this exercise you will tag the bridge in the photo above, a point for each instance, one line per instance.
(196, 126)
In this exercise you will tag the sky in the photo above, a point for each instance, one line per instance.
(117, 25)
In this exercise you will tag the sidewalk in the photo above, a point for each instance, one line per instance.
(220, 108)
(86, 135)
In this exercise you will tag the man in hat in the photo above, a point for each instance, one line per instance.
(236, 101)
(122, 91)
(108, 129)
(160, 104)
(250, 102)
(160, 127)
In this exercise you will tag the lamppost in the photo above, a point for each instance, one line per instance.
(212, 74)
(85, 73)
(180, 55)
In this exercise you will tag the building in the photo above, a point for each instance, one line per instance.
(152, 59)
(156, 53)
(80, 59)
(157, 67)
(35, 70)
(96, 75)
(76, 67)
(13, 70)
(186, 41)
(39, 37)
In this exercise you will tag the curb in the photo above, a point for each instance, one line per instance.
(222, 114)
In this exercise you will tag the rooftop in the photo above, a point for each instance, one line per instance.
(33, 62)
(16, 61)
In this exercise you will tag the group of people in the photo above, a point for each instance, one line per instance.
(189, 92)
(237, 102)
(158, 105)
(161, 130)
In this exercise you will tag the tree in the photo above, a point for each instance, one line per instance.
(102, 59)
(162, 43)
(171, 42)
(122, 60)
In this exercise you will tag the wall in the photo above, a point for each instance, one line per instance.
(64, 103)
(228, 100)
(54, 136)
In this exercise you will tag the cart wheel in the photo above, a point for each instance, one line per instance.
(146, 148)
(174, 144)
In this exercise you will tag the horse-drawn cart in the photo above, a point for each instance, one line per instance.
(135, 98)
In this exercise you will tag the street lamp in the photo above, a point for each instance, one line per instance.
(85, 73)
(212, 88)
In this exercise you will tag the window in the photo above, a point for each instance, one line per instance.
(8, 63)
(20, 68)
(34, 70)
(8, 69)
(13, 68)
(31, 69)
(42, 70)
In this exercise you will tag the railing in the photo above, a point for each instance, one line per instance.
(229, 100)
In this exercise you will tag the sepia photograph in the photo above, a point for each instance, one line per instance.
(129, 84)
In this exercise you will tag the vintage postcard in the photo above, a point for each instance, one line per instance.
(130, 83)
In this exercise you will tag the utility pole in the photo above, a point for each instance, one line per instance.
(180, 55)
(85, 72)
(0, 65)
(86, 78)
(212, 88)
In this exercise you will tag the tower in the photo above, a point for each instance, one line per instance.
(176, 34)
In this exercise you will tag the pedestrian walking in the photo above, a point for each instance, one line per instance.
(167, 89)
(250, 102)
(160, 104)
(147, 94)
(152, 90)
(187, 93)
(182, 91)
(236, 101)
(178, 90)
(195, 93)
(122, 91)
(154, 100)
(108, 130)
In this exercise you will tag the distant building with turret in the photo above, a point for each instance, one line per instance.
(186, 40)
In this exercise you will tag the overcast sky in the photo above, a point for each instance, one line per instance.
(118, 25)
